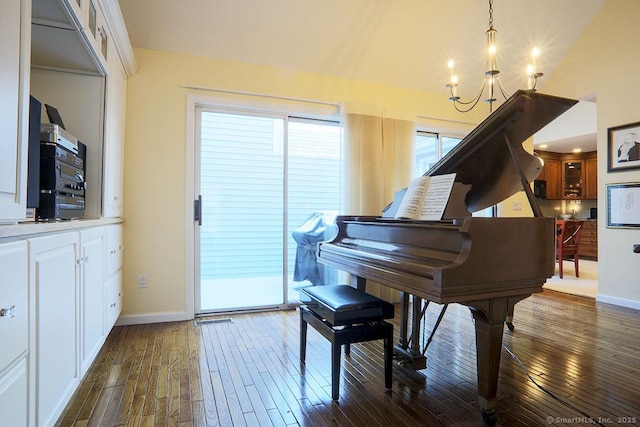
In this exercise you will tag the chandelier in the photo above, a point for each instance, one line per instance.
(491, 75)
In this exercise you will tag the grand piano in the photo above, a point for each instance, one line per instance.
(485, 263)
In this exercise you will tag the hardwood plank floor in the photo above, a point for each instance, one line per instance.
(246, 372)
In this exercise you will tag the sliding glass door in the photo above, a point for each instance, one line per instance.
(259, 178)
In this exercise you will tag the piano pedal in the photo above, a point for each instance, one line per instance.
(402, 362)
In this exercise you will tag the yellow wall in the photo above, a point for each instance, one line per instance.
(155, 175)
(605, 63)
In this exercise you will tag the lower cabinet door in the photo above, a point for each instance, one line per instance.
(92, 306)
(13, 395)
(14, 303)
(54, 263)
(113, 298)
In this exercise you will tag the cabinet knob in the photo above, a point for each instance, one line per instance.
(8, 312)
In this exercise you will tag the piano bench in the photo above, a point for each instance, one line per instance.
(345, 315)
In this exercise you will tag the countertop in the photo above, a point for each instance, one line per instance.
(31, 229)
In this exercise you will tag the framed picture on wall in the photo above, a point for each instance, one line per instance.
(624, 147)
(623, 205)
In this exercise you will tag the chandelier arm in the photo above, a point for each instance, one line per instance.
(504, 92)
(473, 102)
(475, 99)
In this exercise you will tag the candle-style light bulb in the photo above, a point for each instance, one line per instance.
(492, 63)
(534, 58)
(450, 66)
(492, 58)
(530, 77)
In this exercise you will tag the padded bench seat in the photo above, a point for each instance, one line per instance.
(344, 305)
(345, 315)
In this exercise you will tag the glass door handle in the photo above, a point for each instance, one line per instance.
(197, 210)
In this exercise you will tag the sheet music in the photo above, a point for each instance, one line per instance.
(426, 198)
(437, 197)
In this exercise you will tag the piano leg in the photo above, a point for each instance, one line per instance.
(489, 318)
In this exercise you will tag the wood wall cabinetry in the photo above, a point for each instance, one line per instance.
(551, 174)
(589, 240)
(591, 179)
(570, 176)
(573, 179)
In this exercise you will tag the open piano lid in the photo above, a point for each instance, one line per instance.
(486, 157)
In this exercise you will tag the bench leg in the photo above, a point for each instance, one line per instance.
(303, 337)
(388, 360)
(335, 370)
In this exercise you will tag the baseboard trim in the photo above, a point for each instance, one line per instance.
(623, 302)
(141, 319)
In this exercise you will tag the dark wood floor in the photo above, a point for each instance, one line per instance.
(247, 372)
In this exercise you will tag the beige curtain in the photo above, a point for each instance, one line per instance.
(378, 162)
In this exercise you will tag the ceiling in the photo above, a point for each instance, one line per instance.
(404, 43)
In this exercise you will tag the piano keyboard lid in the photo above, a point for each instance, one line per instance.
(486, 158)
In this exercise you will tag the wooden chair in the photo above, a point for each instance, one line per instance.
(568, 243)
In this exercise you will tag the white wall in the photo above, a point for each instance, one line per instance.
(605, 63)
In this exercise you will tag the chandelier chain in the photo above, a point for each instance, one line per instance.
(490, 14)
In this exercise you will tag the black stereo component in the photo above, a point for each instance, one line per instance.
(62, 172)
(33, 169)
(58, 206)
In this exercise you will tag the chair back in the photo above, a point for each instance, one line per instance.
(569, 232)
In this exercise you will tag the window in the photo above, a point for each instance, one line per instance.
(431, 147)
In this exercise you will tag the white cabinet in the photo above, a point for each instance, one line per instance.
(113, 296)
(68, 310)
(92, 247)
(115, 249)
(14, 303)
(113, 274)
(14, 317)
(54, 330)
(13, 395)
(15, 43)
(116, 93)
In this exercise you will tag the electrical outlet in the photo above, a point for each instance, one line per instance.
(142, 280)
